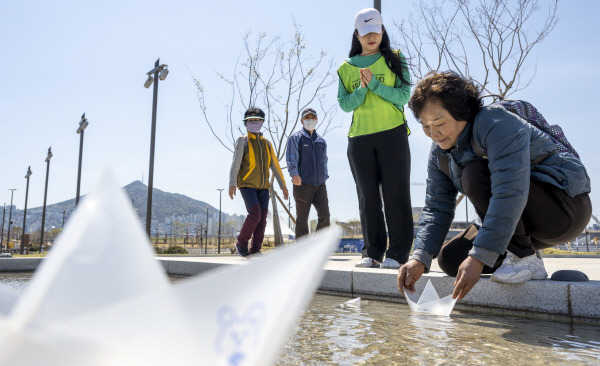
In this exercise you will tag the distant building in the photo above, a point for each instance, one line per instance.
(417, 212)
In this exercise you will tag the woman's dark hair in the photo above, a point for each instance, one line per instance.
(392, 60)
(254, 112)
(458, 95)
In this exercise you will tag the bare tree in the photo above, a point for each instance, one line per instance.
(441, 35)
(282, 79)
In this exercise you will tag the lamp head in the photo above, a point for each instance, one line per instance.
(82, 124)
(148, 81)
(49, 154)
(162, 75)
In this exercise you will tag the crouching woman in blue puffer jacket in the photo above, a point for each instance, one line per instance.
(528, 194)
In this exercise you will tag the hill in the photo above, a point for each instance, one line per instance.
(166, 207)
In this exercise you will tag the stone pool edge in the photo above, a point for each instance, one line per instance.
(575, 302)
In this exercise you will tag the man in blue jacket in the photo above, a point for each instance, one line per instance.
(307, 165)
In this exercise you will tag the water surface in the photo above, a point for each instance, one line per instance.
(16, 281)
(381, 333)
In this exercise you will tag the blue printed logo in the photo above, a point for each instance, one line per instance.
(238, 334)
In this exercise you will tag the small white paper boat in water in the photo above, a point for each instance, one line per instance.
(354, 303)
(429, 302)
(102, 298)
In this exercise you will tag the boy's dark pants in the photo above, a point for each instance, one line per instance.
(306, 195)
(257, 204)
(380, 165)
(550, 217)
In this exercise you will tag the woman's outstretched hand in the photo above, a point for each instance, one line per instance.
(468, 274)
(409, 274)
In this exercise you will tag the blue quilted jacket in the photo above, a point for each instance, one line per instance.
(307, 157)
(512, 145)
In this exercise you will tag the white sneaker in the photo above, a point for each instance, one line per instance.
(519, 270)
(390, 263)
(367, 262)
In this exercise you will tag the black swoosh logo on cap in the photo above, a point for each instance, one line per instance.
(366, 20)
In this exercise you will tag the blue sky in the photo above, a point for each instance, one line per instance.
(63, 58)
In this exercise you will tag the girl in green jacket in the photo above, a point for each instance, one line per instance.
(375, 86)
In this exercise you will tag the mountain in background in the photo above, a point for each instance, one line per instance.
(166, 208)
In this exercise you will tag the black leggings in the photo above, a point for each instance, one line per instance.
(550, 217)
(380, 165)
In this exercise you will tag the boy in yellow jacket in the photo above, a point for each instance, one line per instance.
(252, 158)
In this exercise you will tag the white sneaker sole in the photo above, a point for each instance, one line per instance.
(362, 265)
(520, 277)
(540, 275)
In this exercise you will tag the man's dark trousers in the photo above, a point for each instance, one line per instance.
(306, 195)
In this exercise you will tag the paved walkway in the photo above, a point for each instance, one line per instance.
(590, 265)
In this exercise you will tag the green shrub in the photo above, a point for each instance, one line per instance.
(34, 248)
(159, 250)
(175, 250)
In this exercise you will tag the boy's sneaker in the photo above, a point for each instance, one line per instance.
(241, 251)
(257, 253)
(390, 263)
(367, 262)
(519, 270)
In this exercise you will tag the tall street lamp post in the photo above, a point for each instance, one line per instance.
(25, 209)
(220, 194)
(160, 73)
(45, 196)
(12, 191)
(82, 125)
(2, 237)
(377, 5)
(206, 232)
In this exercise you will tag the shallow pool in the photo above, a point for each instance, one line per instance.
(16, 281)
(381, 333)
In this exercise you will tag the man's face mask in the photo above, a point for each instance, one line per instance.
(254, 126)
(310, 124)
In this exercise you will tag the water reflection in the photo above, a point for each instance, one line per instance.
(15, 281)
(585, 349)
(339, 334)
(433, 334)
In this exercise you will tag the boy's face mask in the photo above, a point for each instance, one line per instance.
(254, 126)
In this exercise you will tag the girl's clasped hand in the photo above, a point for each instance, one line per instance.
(365, 77)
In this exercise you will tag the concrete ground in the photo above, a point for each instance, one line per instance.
(546, 299)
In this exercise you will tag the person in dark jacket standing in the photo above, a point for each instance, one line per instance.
(529, 192)
(307, 165)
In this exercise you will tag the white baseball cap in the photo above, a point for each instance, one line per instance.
(368, 20)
